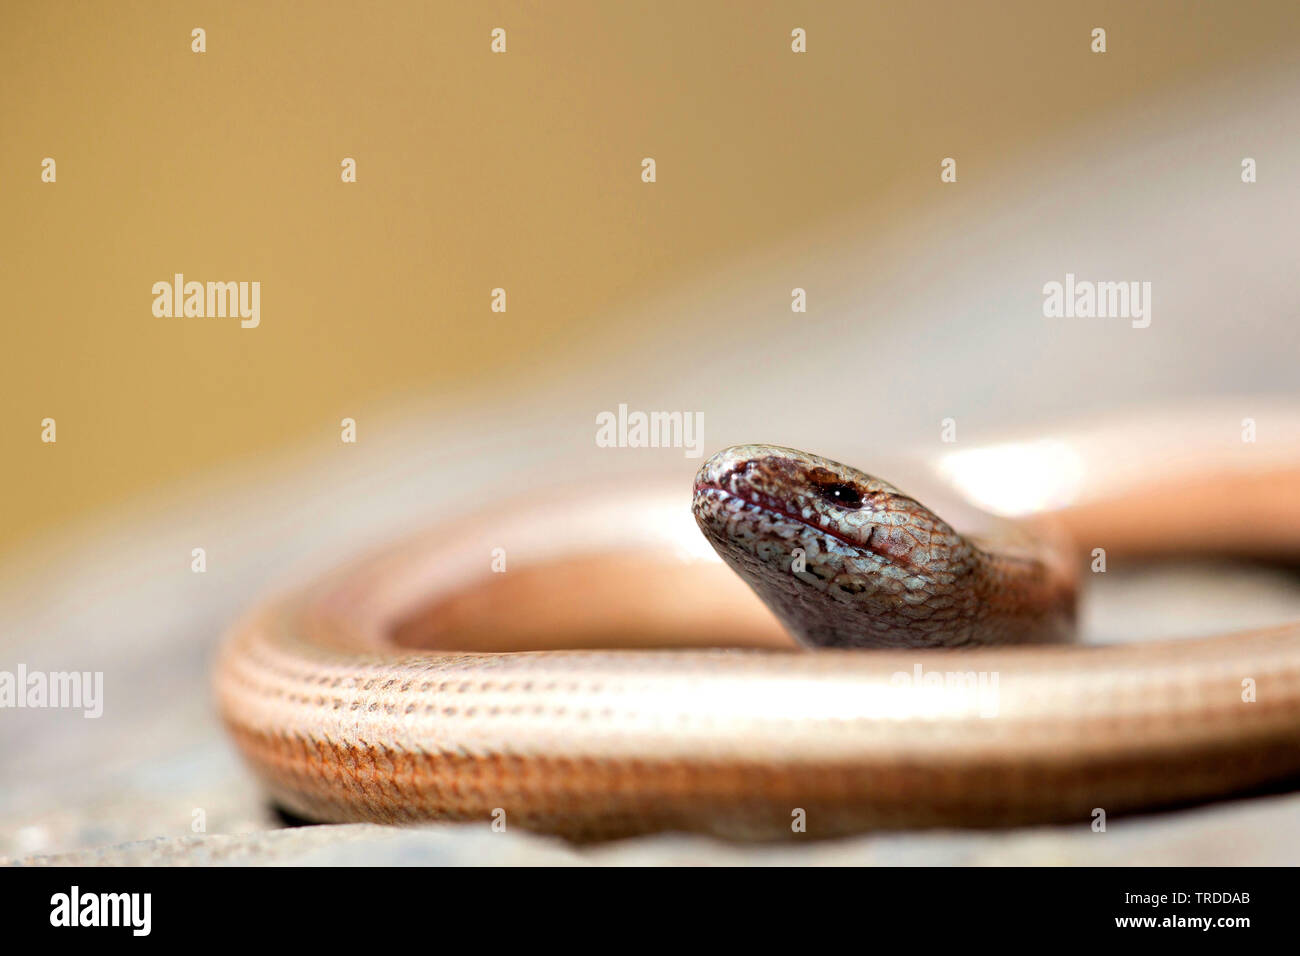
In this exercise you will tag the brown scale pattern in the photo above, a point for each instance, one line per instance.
(343, 724)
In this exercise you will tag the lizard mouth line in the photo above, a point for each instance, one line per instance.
(773, 508)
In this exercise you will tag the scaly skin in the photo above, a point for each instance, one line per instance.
(847, 560)
(342, 723)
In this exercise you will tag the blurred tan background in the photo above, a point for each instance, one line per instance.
(476, 171)
(522, 171)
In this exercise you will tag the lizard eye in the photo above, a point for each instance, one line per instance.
(839, 493)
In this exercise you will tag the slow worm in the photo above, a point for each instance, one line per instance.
(935, 684)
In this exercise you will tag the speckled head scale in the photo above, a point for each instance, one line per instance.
(844, 559)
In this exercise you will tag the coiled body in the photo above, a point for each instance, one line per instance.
(403, 689)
